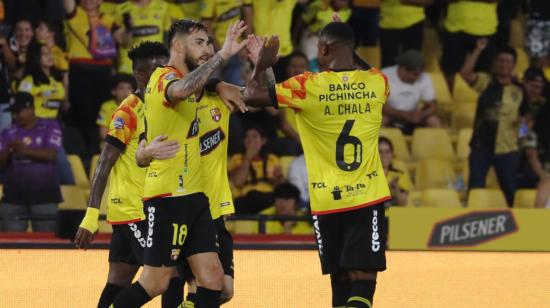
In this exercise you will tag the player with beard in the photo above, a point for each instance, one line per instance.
(180, 226)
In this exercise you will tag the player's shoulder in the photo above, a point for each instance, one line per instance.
(167, 73)
(132, 101)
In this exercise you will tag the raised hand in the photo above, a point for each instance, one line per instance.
(254, 47)
(268, 53)
(336, 17)
(231, 46)
(482, 43)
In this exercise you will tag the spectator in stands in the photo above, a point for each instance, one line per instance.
(90, 65)
(543, 194)
(410, 86)
(274, 17)
(47, 34)
(317, 15)
(123, 85)
(218, 16)
(466, 22)
(297, 176)
(27, 155)
(254, 173)
(143, 20)
(364, 21)
(287, 197)
(536, 145)
(7, 64)
(191, 9)
(41, 80)
(398, 180)
(401, 27)
(22, 36)
(537, 43)
(500, 108)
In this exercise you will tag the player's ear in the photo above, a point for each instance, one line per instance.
(323, 48)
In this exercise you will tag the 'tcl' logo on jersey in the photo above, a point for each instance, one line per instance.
(319, 185)
(211, 140)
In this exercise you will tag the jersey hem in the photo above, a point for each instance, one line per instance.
(157, 196)
(114, 223)
(356, 207)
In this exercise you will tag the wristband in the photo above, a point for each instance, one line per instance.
(90, 220)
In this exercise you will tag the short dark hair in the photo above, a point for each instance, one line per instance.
(387, 141)
(507, 50)
(147, 50)
(123, 78)
(286, 191)
(184, 26)
(533, 73)
(297, 54)
(338, 33)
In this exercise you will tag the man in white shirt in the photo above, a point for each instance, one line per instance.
(409, 87)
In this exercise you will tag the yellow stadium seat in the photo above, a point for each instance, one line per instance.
(463, 143)
(464, 115)
(371, 55)
(517, 34)
(285, 164)
(78, 171)
(522, 62)
(1, 190)
(104, 227)
(414, 198)
(442, 93)
(246, 227)
(462, 92)
(93, 166)
(442, 198)
(432, 143)
(525, 198)
(431, 50)
(400, 149)
(435, 173)
(73, 198)
(486, 198)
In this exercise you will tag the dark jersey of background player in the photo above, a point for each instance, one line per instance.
(339, 113)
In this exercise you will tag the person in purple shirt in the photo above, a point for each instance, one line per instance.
(27, 157)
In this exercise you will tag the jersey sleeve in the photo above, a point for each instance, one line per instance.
(207, 9)
(290, 93)
(122, 128)
(164, 81)
(234, 162)
(482, 82)
(26, 85)
(54, 139)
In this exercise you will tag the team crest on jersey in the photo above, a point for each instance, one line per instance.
(118, 123)
(175, 254)
(216, 114)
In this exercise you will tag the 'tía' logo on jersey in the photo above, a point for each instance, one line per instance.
(211, 140)
(194, 129)
(216, 114)
(336, 193)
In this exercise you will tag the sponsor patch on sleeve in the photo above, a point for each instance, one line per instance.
(118, 123)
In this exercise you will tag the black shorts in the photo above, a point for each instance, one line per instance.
(225, 254)
(456, 45)
(354, 240)
(128, 243)
(178, 227)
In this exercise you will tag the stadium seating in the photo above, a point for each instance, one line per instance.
(414, 198)
(522, 62)
(463, 143)
(486, 198)
(77, 167)
(432, 143)
(441, 198)
(442, 93)
(491, 181)
(73, 198)
(93, 166)
(525, 198)
(371, 55)
(285, 164)
(462, 92)
(435, 173)
(400, 149)
(463, 115)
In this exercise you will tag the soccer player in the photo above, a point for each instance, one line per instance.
(213, 117)
(179, 221)
(125, 208)
(339, 113)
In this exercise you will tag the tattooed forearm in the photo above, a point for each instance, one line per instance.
(194, 81)
(256, 93)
